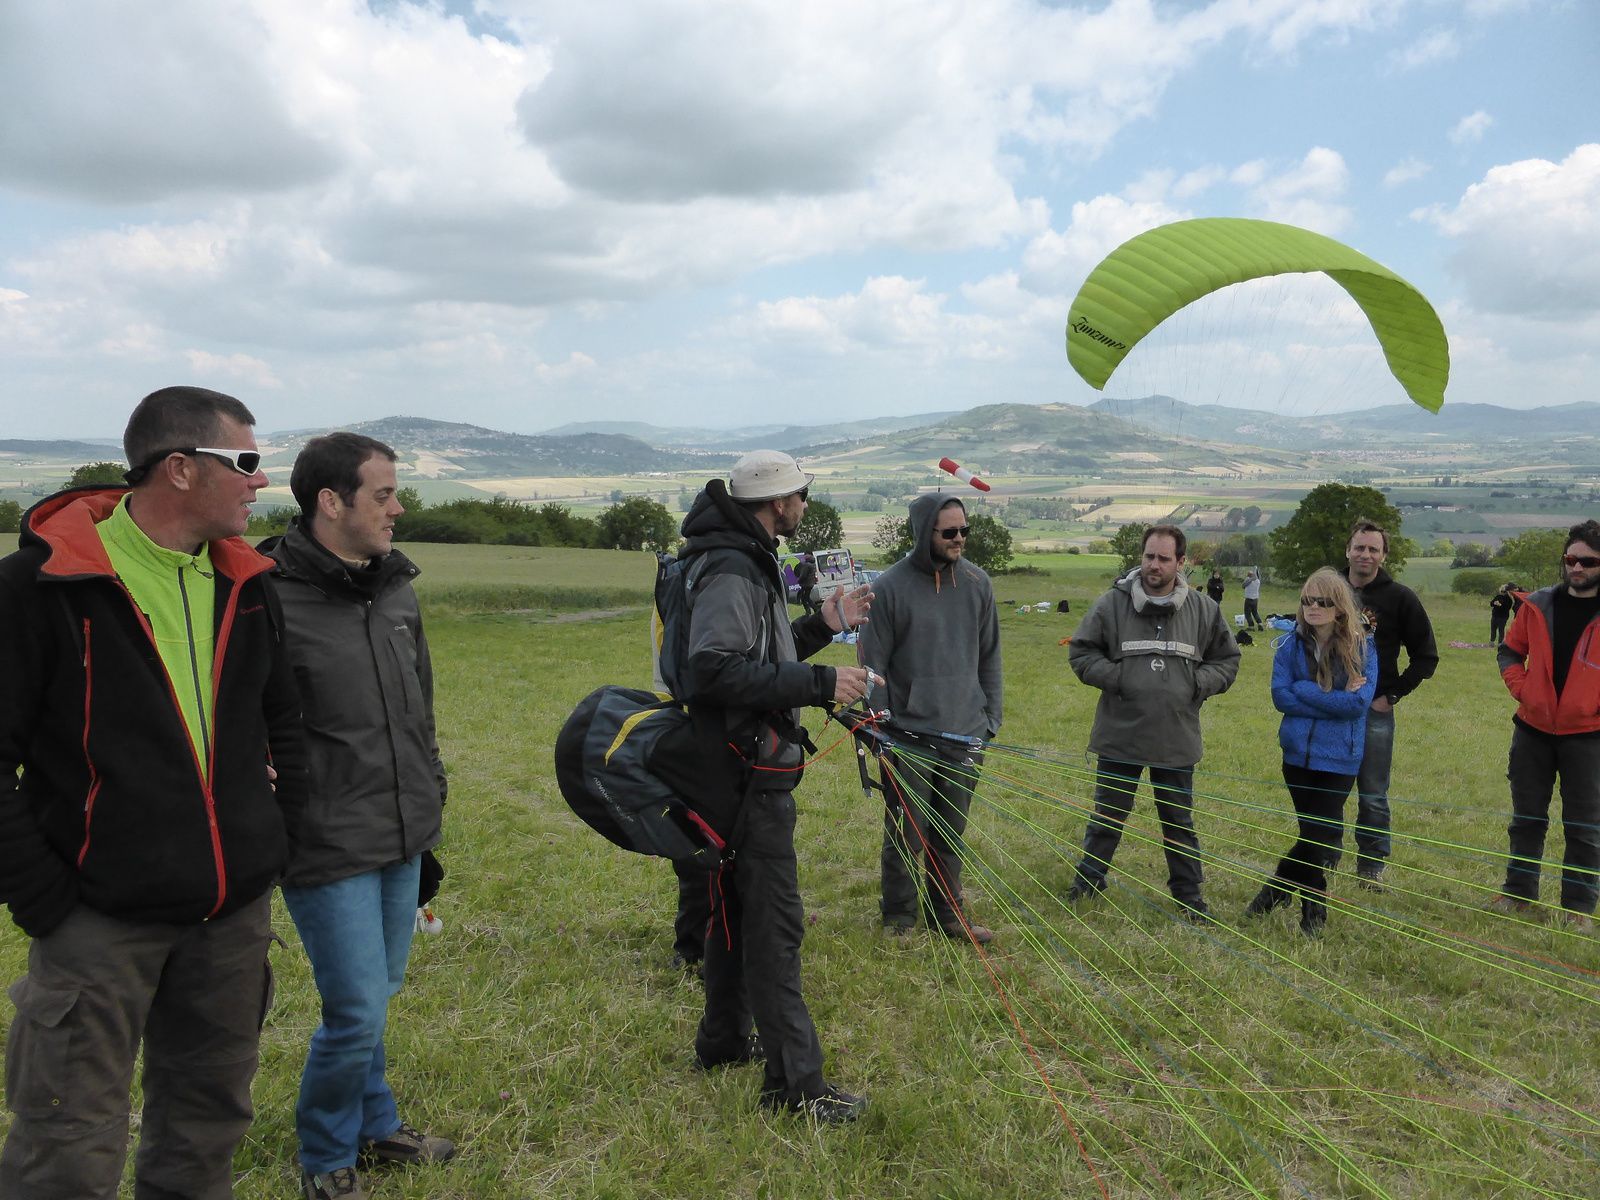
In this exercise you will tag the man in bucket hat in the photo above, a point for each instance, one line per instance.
(746, 682)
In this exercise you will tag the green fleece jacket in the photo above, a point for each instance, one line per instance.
(934, 636)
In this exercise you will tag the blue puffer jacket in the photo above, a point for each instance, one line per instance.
(1324, 731)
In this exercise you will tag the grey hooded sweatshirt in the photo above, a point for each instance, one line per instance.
(934, 636)
(1156, 660)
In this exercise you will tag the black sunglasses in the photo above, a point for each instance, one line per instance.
(1318, 602)
(1587, 561)
(804, 493)
(954, 532)
(246, 462)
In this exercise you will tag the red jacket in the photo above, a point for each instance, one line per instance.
(1525, 665)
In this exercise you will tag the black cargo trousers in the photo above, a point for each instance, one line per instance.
(752, 964)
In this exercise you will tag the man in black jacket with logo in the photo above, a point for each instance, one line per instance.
(147, 700)
(746, 683)
(1398, 622)
(377, 792)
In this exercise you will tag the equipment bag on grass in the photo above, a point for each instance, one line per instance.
(625, 761)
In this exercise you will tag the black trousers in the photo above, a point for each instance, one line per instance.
(1537, 761)
(1318, 798)
(694, 911)
(1115, 785)
(925, 816)
(752, 970)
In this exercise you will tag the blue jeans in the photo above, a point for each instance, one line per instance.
(1372, 788)
(357, 934)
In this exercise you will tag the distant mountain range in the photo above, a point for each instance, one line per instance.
(1155, 433)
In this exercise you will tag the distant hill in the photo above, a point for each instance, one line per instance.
(459, 451)
(753, 437)
(81, 452)
(1052, 439)
(1467, 423)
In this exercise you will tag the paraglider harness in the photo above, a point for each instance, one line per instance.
(650, 775)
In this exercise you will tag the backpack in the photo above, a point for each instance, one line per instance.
(676, 579)
(625, 760)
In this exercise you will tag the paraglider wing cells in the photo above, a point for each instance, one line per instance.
(1149, 277)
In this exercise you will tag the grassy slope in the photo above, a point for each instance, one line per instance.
(544, 1032)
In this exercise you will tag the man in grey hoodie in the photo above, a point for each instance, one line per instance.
(1157, 650)
(935, 638)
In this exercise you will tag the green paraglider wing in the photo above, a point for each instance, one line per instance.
(1149, 277)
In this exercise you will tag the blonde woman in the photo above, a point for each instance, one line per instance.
(1323, 679)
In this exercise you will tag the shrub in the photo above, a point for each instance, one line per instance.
(1476, 581)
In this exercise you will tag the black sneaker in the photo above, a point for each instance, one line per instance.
(1369, 876)
(342, 1183)
(831, 1106)
(1196, 912)
(1082, 890)
(1268, 898)
(692, 968)
(751, 1052)
(407, 1145)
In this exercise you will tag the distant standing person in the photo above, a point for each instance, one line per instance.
(935, 638)
(1501, 605)
(1215, 587)
(1157, 650)
(1252, 600)
(1398, 621)
(1323, 679)
(354, 634)
(1551, 663)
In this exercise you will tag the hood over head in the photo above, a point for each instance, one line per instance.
(925, 511)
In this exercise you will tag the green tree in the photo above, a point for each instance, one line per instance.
(638, 523)
(10, 516)
(1252, 516)
(271, 520)
(1320, 529)
(1472, 554)
(410, 499)
(1442, 548)
(989, 543)
(97, 472)
(820, 528)
(1128, 545)
(893, 536)
(1533, 557)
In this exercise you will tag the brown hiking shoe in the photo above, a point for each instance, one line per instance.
(1509, 906)
(408, 1145)
(956, 931)
(1579, 922)
(341, 1183)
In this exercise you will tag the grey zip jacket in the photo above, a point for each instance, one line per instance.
(934, 636)
(1155, 664)
(366, 689)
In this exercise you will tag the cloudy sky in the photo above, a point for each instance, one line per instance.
(525, 212)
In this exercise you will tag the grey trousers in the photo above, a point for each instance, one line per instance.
(927, 801)
(196, 995)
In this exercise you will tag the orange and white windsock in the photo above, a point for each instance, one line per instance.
(961, 473)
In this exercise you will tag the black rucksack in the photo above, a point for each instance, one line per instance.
(676, 579)
(625, 761)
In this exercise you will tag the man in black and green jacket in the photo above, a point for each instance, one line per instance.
(148, 704)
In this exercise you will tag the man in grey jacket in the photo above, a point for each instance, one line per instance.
(935, 638)
(1157, 650)
(355, 639)
(746, 683)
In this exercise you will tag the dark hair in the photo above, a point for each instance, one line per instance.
(173, 418)
(332, 461)
(1363, 525)
(1171, 531)
(1587, 532)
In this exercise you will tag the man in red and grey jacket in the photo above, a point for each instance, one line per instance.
(149, 705)
(1550, 661)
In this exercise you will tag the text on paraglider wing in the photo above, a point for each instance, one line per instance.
(1089, 331)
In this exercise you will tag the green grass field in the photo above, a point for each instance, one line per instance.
(1420, 1048)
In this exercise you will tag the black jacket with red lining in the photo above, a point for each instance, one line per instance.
(111, 809)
